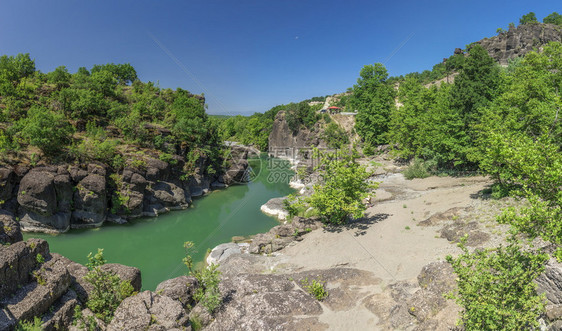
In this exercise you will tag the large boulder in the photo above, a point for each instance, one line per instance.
(149, 311)
(37, 193)
(10, 231)
(166, 195)
(125, 273)
(7, 183)
(180, 289)
(550, 282)
(90, 202)
(17, 261)
(36, 298)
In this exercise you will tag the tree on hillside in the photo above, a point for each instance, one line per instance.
(373, 98)
(553, 18)
(46, 130)
(60, 77)
(530, 18)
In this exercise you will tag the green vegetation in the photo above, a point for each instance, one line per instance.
(316, 288)
(96, 115)
(553, 18)
(34, 325)
(108, 289)
(335, 136)
(373, 97)
(529, 18)
(207, 293)
(496, 287)
(340, 193)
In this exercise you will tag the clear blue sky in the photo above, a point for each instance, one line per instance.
(248, 55)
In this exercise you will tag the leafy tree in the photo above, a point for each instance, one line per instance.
(529, 18)
(553, 18)
(14, 68)
(46, 130)
(335, 136)
(123, 73)
(104, 82)
(300, 115)
(373, 97)
(188, 118)
(60, 77)
(342, 189)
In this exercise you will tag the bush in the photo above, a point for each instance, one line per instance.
(46, 130)
(496, 288)
(108, 289)
(34, 325)
(316, 288)
(418, 169)
(207, 293)
(342, 189)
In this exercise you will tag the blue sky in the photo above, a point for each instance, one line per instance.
(247, 55)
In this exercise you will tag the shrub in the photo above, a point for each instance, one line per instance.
(34, 325)
(207, 293)
(316, 288)
(418, 169)
(47, 130)
(108, 289)
(343, 187)
(496, 288)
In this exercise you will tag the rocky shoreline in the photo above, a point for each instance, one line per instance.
(54, 199)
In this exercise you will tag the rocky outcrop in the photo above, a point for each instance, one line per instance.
(519, 41)
(282, 235)
(54, 199)
(180, 289)
(149, 311)
(294, 146)
(10, 231)
(275, 207)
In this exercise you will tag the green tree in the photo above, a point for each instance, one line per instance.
(60, 77)
(529, 18)
(342, 188)
(46, 130)
(373, 98)
(553, 18)
(123, 73)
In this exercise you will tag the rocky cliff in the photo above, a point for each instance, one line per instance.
(293, 146)
(56, 198)
(519, 41)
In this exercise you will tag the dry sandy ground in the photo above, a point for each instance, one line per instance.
(388, 243)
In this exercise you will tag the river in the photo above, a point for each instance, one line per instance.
(155, 245)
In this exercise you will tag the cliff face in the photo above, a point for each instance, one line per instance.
(56, 198)
(520, 40)
(286, 144)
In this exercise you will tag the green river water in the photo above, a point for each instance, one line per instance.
(155, 245)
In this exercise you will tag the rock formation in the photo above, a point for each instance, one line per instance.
(55, 199)
(519, 41)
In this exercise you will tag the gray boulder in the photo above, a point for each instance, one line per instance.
(37, 193)
(149, 311)
(61, 313)
(10, 231)
(90, 202)
(17, 261)
(550, 282)
(125, 273)
(180, 289)
(35, 298)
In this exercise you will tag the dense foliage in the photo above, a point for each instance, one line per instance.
(107, 288)
(373, 97)
(93, 114)
(496, 288)
(340, 192)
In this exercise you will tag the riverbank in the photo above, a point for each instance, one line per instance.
(373, 268)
